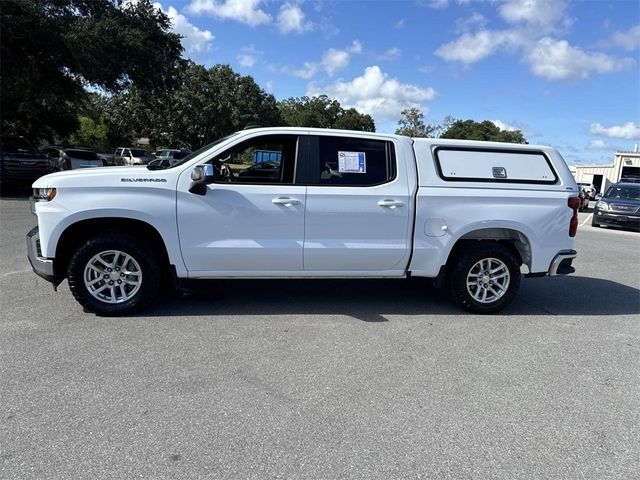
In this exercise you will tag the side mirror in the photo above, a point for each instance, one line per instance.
(598, 196)
(201, 176)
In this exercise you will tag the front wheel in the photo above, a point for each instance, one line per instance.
(484, 277)
(114, 274)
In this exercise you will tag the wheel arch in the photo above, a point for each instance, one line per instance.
(77, 232)
(515, 240)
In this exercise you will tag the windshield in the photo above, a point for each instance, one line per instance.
(626, 192)
(193, 155)
(16, 145)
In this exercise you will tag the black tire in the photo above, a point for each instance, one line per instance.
(594, 223)
(465, 262)
(148, 282)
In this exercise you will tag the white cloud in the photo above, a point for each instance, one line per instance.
(471, 48)
(558, 60)
(599, 145)
(332, 60)
(438, 4)
(390, 54)
(475, 20)
(399, 24)
(195, 40)
(504, 126)
(291, 19)
(533, 22)
(243, 11)
(628, 131)
(375, 93)
(248, 56)
(539, 12)
(629, 40)
(355, 47)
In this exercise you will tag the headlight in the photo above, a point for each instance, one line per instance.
(44, 194)
(602, 205)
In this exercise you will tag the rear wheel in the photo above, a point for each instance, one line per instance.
(484, 277)
(114, 274)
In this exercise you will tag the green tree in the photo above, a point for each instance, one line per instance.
(412, 124)
(52, 49)
(323, 112)
(204, 105)
(351, 119)
(486, 131)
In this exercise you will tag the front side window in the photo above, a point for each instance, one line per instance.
(267, 159)
(354, 161)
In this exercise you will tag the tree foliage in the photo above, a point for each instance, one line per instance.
(411, 124)
(205, 104)
(52, 49)
(486, 131)
(323, 112)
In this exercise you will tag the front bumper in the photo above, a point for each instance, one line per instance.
(620, 219)
(43, 267)
(561, 263)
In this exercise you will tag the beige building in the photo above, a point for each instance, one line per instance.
(626, 167)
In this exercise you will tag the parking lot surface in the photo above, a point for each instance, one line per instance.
(324, 379)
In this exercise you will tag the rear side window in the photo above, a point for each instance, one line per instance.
(494, 165)
(352, 162)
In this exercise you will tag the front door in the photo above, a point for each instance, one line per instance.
(252, 218)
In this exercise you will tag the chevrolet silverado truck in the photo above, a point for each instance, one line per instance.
(475, 216)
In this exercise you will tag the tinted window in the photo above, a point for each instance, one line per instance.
(353, 161)
(267, 159)
(139, 153)
(473, 164)
(16, 145)
(82, 154)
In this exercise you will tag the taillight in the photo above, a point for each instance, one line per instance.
(574, 204)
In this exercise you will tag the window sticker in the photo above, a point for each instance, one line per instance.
(352, 162)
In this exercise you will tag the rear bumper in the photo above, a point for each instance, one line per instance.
(561, 263)
(43, 267)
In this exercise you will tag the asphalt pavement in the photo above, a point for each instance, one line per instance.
(324, 379)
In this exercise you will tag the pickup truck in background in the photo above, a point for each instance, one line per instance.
(475, 216)
(20, 162)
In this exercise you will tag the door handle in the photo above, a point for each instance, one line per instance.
(286, 201)
(388, 203)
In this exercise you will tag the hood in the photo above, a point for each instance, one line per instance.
(97, 176)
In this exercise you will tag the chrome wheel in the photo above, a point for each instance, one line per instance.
(488, 280)
(112, 276)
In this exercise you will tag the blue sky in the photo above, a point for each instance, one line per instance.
(565, 73)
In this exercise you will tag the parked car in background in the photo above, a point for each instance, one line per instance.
(107, 158)
(167, 157)
(72, 158)
(620, 206)
(172, 153)
(132, 156)
(591, 190)
(20, 162)
(584, 199)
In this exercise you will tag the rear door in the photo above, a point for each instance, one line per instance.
(358, 207)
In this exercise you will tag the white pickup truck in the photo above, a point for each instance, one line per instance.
(298, 202)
